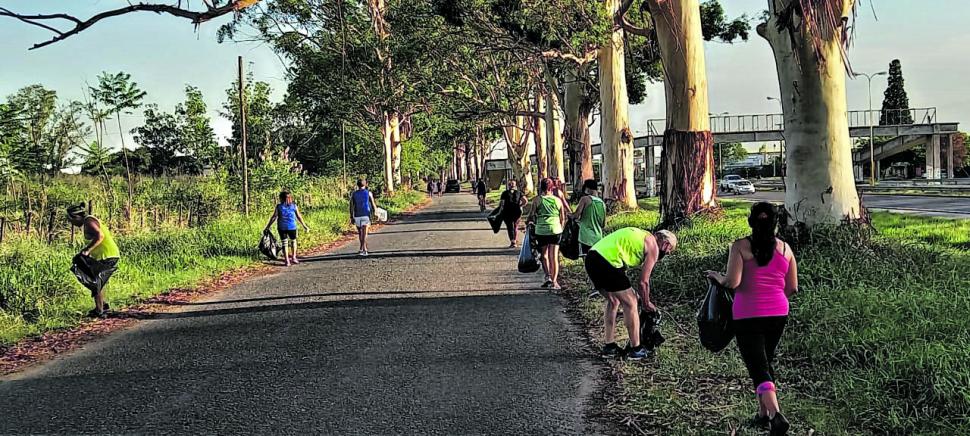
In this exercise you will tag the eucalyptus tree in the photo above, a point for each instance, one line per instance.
(118, 94)
(809, 41)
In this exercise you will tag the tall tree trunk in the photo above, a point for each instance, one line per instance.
(470, 160)
(577, 109)
(819, 186)
(554, 161)
(517, 144)
(130, 181)
(394, 123)
(616, 137)
(539, 135)
(388, 140)
(687, 157)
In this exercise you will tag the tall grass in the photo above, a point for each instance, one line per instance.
(878, 340)
(38, 293)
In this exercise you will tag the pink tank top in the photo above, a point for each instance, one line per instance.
(762, 289)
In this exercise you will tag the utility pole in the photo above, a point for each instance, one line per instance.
(242, 131)
(781, 153)
(872, 154)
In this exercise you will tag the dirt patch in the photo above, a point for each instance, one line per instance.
(38, 349)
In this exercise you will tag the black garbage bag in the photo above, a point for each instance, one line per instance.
(268, 245)
(93, 274)
(495, 219)
(528, 255)
(715, 317)
(650, 336)
(569, 243)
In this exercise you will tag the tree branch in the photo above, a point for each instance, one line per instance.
(631, 28)
(588, 57)
(196, 17)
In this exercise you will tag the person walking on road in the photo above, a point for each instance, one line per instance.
(430, 188)
(100, 256)
(606, 264)
(511, 203)
(287, 214)
(481, 190)
(362, 204)
(764, 274)
(591, 216)
(440, 188)
(548, 215)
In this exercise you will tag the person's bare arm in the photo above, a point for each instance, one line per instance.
(581, 207)
(791, 279)
(532, 210)
(649, 261)
(299, 217)
(373, 201)
(272, 218)
(735, 265)
(92, 230)
(352, 208)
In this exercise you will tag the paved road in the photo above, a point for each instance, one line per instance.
(950, 207)
(433, 334)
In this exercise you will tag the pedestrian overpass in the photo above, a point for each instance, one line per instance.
(925, 130)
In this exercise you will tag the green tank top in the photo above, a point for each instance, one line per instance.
(547, 216)
(591, 223)
(107, 249)
(623, 248)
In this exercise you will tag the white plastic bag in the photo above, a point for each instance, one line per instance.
(381, 215)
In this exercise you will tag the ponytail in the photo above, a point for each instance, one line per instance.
(763, 220)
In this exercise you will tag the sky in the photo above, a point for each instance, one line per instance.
(163, 54)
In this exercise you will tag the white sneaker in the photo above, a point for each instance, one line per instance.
(365, 253)
(361, 253)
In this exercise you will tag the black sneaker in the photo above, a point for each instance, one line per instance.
(93, 313)
(611, 351)
(778, 425)
(638, 353)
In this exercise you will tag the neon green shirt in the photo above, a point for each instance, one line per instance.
(591, 223)
(623, 248)
(547, 216)
(107, 249)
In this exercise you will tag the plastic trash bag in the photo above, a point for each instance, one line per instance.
(569, 243)
(93, 274)
(715, 317)
(528, 255)
(381, 215)
(495, 219)
(650, 336)
(268, 246)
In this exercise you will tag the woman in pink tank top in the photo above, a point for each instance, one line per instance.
(763, 272)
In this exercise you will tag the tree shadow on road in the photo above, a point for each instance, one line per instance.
(415, 253)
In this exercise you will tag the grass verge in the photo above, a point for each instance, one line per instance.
(38, 293)
(877, 343)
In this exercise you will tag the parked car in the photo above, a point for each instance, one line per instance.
(452, 186)
(736, 184)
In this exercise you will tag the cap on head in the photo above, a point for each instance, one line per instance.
(668, 237)
(76, 212)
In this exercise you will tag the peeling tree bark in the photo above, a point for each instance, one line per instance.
(388, 141)
(819, 186)
(616, 137)
(554, 130)
(687, 157)
(539, 127)
(577, 109)
(394, 123)
(517, 144)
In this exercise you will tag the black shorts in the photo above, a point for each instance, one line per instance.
(287, 234)
(543, 240)
(606, 277)
(584, 249)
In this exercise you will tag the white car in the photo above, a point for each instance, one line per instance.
(736, 184)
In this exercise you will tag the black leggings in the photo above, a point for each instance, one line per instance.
(512, 226)
(757, 340)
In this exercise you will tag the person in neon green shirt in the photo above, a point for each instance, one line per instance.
(606, 265)
(102, 251)
(548, 215)
(591, 216)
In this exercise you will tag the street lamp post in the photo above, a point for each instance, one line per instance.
(872, 153)
(720, 158)
(781, 152)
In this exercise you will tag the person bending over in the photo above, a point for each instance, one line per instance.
(102, 251)
(606, 265)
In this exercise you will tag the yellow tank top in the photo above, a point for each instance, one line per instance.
(107, 249)
(623, 248)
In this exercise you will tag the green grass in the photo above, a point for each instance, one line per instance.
(39, 293)
(878, 340)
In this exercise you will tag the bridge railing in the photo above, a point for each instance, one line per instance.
(776, 122)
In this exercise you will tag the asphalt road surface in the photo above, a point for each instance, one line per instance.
(434, 333)
(949, 207)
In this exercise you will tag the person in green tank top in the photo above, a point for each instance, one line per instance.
(606, 264)
(548, 215)
(591, 216)
(102, 251)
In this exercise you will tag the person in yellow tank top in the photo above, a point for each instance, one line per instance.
(98, 258)
(606, 264)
